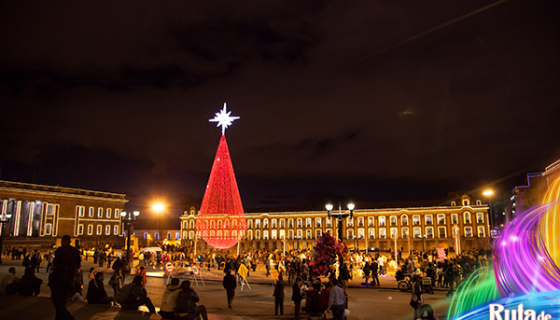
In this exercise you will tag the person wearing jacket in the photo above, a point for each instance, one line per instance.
(186, 303)
(96, 291)
(29, 283)
(230, 284)
(169, 299)
(279, 296)
(138, 297)
(297, 296)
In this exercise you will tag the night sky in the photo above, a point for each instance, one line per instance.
(374, 100)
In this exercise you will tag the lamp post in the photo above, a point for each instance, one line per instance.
(457, 239)
(395, 237)
(129, 218)
(489, 193)
(340, 216)
(3, 220)
(297, 240)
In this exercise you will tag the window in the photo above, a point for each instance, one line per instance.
(81, 211)
(329, 222)
(258, 223)
(50, 208)
(156, 236)
(90, 214)
(481, 232)
(258, 234)
(371, 233)
(290, 234)
(116, 230)
(349, 222)
(453, 203)
(265, 223)
(350, 234)
(177, 236)
(308, 223)
(192, 224)
(442, 232)
(467, 216)
(117, 213)
(430, 232)
(100, 212)
(478, 202)
(274, 223)
(480, 218)
(308, 234)
(416, 220)
(108, 213)
(329, 231)
(317, 234)
(99, 229)
(393, 221)
(382, 222)
(360, 221)
(299, 223)
(90, 229)
(290, 223)
(382, 233)
(429, 220)
(404, 220)
(282, 223)
(145, 235)
(299, 234)
(361, 233)
(404, 232)
(454, 219)
(185, 225)
(107, 230)
(282, 234)
(249, 224)
(417, 233)
(317, 222)
(265, 234)
(441, 218)
(81, 228)
(274, 234)
(370, 221)
(250, 234)
(468, 232)
(168, 236)
(394, 233)
(466, 202)
(185, 237)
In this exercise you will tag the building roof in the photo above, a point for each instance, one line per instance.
(38, 188)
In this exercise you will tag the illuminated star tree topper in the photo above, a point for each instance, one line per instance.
(223, 119)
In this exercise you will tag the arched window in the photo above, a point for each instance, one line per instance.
(250, 234)
(453, 203)
(191, 234)
(467, 217)
(404, 220)
(192, 224)
(145, 235)
(265, 223)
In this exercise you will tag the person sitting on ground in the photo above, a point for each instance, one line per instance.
(186, 303)
(428, 311)
(10, 282)
(29, 283)
(138, 297)
(96, 291)
(169, 300)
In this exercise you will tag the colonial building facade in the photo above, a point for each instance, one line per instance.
(43, 214)
(460, 222)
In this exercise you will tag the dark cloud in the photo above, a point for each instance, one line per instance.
(323, 106)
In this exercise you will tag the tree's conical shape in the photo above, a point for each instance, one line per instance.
(221, 221)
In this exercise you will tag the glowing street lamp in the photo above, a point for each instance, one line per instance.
(129, 218)
(158, 208)
(340, 215)
(488, 193)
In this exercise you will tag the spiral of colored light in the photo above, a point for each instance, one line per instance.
(479, 289)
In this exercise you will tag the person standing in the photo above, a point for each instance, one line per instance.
(67, 261)
(297, 296)
(229, 284)
(367, 271)
(141, 259)
(416, 300)
(374, 273)
(337, 301)
(279, 296)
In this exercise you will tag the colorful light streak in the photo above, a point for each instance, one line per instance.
(479, 289)
(550, 224)
(521, 262)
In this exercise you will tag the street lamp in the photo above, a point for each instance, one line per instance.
(158, 208)
(489, 193)
(340, 215)
(457, 239)
(129, 218)
(3, 220)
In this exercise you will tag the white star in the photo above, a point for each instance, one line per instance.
(223, 119)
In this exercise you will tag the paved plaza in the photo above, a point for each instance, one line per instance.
(384, 302)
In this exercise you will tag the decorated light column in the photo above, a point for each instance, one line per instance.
(221, 222)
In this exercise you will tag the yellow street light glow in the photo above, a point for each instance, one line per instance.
(158, 207)
(488, 192)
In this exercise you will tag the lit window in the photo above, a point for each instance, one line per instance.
(169, 236)
(107, 230)
(393, 221)
(117, 213)
(80, 229)
(265, 234)
(156, 236)
(349, 222)
(250, 234)
(428, 218)
(454, 219)
(441, 219)
(317, 222)
(416, 220)
(453, 203)
(481, 232)
(394, 233)
(90, 229)
(371, 233)
(361, 233)
(350, 234)
(99, 229)
(81, 211)
(370, 221)
(466, 202)
(282, 223)
(360, 221)
(290, 234)
(258, 223)
(480, 218)
(177, 237)
(430, 232)
(48, 229)
(382, 221)
(91, 209)
(442, 232)
(265, 223)
(100, 212)
(249, 223)
(382, 233)
(257, 234)
(192, 224)
(404, 232)
(299, 223)
(329, 223)
(145, 235)
(274, 234)
(116, 230)
(50, 208)
(308, 223)
(467, 217)
(317, 234)
(417, 233)
(282, 234)
(273, 223)
(404, 220)
(468, 232)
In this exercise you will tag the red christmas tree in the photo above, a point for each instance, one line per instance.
(221, 221)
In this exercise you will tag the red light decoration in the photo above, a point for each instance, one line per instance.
(221, 221)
